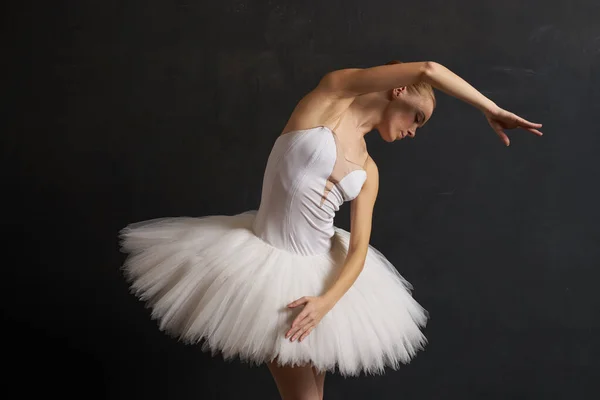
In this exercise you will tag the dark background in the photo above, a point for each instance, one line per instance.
(119, 111)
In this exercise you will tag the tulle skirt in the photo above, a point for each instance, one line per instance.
(211, 281)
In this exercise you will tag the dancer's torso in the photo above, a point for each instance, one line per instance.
(306, 180)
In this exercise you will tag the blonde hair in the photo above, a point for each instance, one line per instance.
(422, 88)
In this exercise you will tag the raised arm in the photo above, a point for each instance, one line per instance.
(352, 82)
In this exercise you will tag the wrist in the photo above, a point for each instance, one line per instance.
(330, 298)
(489, 108)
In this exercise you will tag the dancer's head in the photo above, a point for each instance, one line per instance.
(408, 108)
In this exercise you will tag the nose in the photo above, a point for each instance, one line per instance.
(411, 134)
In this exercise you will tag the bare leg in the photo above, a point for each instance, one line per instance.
(320, 380)
(294, 383)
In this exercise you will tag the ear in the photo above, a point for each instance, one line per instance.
(398, 91)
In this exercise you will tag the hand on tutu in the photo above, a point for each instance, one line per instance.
(500, 119)
(311, 315)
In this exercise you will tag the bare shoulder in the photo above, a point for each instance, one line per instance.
(322, 106)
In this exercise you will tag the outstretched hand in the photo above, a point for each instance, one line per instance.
(314, 310)
(500, 119)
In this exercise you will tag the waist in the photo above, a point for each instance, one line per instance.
(292, 233)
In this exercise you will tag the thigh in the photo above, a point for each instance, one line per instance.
(294, 383)
(320, 381)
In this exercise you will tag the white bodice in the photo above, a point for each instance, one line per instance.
(306, 180)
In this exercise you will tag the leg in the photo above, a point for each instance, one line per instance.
(294, 383)
(320, 380)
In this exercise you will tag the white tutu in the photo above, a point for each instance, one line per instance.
(212, 279)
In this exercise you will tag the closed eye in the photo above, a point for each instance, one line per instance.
(420, 118)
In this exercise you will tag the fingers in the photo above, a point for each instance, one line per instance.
(298, 302)
(301, 320)
(523, 122)
(306, 332)
(299, 326)
(510, 121)
(529, 126)
(302, 332)
(502, 135)
(534, 131)
(305, 321)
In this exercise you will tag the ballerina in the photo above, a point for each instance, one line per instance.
(282, 285)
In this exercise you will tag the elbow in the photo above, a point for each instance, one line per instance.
(429, 70)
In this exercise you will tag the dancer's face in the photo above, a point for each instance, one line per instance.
(407, 111)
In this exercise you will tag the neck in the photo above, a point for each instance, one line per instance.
(366, 111)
